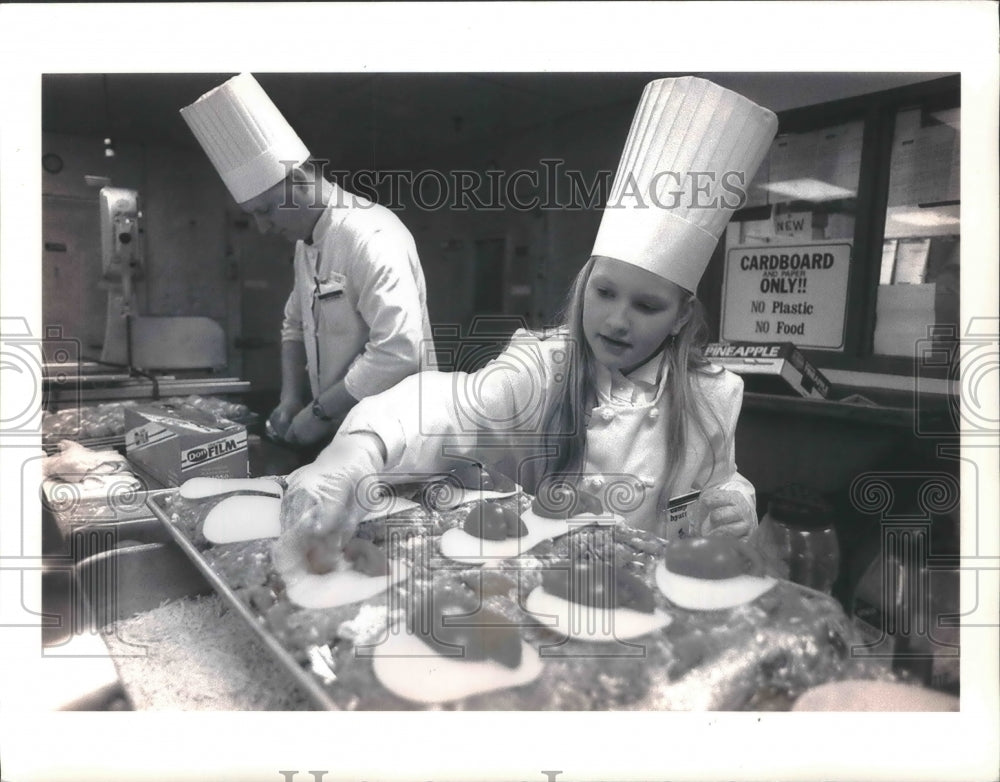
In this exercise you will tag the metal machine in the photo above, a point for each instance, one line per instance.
(141, 341)
(139, 350)
(121, 265)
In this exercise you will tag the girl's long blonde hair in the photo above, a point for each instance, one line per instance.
(568, 410)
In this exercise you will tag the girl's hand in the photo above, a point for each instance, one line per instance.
(723, 512)
(320, 508)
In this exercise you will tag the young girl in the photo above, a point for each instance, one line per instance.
(619, 402)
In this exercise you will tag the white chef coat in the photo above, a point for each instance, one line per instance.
(359, 303)
(495, 416)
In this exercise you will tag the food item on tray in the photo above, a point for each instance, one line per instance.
(363, 555)
(243, 517)
(403, 666)
(92, 422)
(560, 507)
(80, 483)
(752, 655)
(597, 583)
(594, 595)
(592, 622)
(451, 647)
(362, 571)
(710, 574)
(534, 530)
(224, 521)
(451, 619)
(338, 588)
(468, 482)
(75, 463)
(107, 420)
(197, 488)
(566, 504)
(493, 521)
(495, 529)
(366, 557)
(213, 405)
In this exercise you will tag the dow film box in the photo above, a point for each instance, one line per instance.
(770, 368)
(176, 442)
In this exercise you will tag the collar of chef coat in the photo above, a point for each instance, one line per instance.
(640, 386)
(333, 216)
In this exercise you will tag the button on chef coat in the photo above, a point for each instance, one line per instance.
(359, 302)
(495, 416)
(625, 445)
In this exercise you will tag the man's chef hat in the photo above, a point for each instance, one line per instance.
(690, 155)
(245, 136)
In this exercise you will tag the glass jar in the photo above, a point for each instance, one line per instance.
(906, 607)
(798, 540)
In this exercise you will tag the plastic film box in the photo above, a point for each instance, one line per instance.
(176, 442)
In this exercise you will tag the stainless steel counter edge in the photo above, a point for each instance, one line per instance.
(312, 689)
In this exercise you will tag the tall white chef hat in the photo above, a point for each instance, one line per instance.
(245, 136)
(690, 155)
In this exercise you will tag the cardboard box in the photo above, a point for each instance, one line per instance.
(176, 442)
(770, 368)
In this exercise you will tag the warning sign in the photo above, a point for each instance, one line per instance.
(786, 294)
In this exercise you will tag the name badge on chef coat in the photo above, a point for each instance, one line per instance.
(332, 288)
(678, 507)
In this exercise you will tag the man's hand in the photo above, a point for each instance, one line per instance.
(307, 429)
(281, 419)
(723, 512)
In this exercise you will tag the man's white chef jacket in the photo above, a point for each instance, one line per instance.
(359, 303)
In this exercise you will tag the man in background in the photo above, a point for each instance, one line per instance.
(356, 321)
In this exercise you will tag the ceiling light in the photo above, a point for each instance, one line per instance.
(924, 218)
(807, 189)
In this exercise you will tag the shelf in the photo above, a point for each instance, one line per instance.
(71, 392)
(897, 417)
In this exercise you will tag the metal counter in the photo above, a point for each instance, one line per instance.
(302, 678)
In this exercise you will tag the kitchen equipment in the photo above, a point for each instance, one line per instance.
(119, 583)
(906, 604)
(798, 540)
(133, 340)
(757, 657)
(309, 684)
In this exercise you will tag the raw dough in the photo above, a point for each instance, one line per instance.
(243, 517)
(199, 488)
(340, 587)
(590, 623)
(408, 667)
(707, 594)
(459, 545)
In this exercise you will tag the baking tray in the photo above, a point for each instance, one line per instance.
(756, 658)
(310, 686)
(90, 525)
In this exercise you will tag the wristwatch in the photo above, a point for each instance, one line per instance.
(319, 412)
